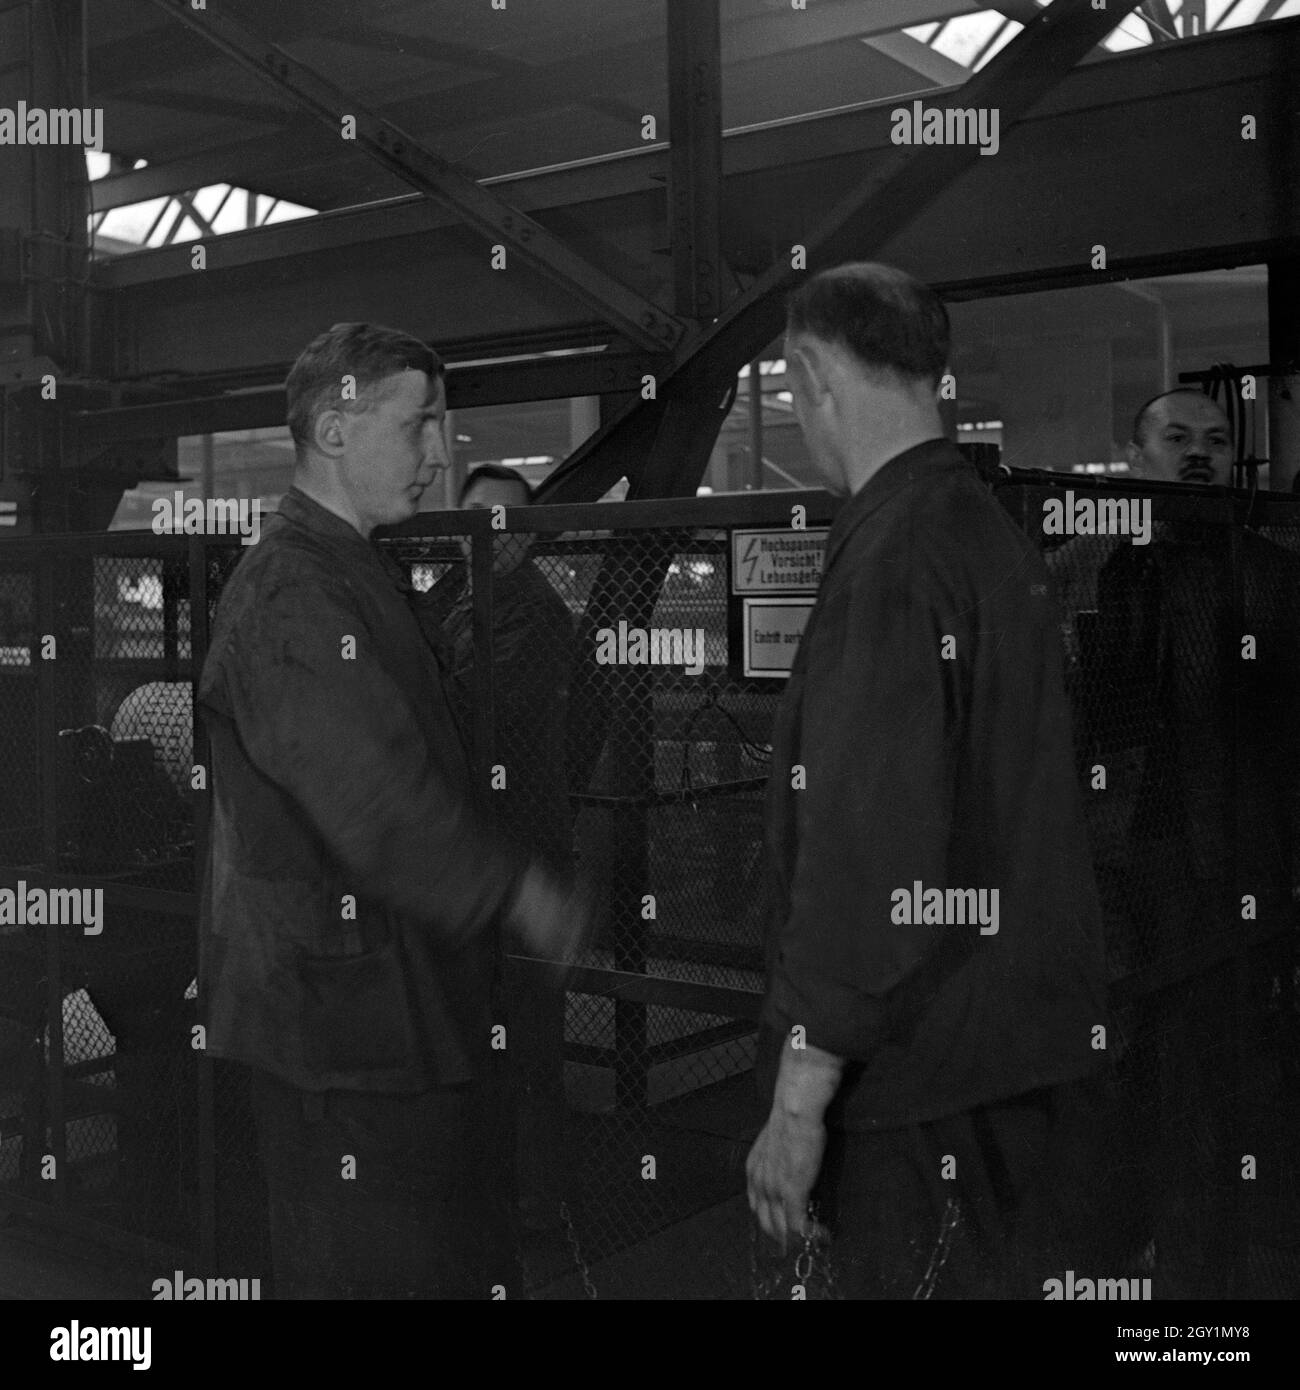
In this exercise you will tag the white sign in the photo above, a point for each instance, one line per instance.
(772, 628)
(782, 561)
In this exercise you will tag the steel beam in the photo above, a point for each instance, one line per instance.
(686, 432)
(1020, 10)
(1019, 221)
(920, 58)
(43, 198)
(518, 86)
(1283, 373)
(1160, 23)
(1240, 57)
(496, 383)
(636, 317)
(906, 182)
(148, 53)
(828, 21)
(695, 160)
(255, 162)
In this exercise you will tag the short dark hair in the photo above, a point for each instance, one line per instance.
(1140, 419)
(500, 473)
(887, 319)
(367, 351)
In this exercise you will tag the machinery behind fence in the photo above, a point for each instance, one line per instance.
(623, 664)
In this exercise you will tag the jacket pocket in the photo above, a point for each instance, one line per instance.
(355, 1012)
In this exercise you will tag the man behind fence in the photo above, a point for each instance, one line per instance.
(1198, 635)
(351, 889)
(935, 967)
(532, 646)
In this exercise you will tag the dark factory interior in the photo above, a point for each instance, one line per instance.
(596, 212)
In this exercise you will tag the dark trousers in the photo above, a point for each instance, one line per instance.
(384, 1196)
(940, 1209)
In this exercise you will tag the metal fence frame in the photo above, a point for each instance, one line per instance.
(631, 990)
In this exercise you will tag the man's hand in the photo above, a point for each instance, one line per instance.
(551, 921)
(787, 1156)
(782, 1168)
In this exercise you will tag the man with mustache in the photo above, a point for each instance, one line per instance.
(1197, 671)
(1182, 436)
(1178, 436)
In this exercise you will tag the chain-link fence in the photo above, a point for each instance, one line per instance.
(596, 660)
(1183, 666)
(633, 1095)
(98, 1115)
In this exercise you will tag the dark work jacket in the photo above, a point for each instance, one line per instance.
(955, 773)
(1221, 766)
(333, 780)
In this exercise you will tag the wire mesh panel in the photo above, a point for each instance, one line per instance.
(621, 747)
(1182, 666)
(20, 817)
(125, 761)
(593, 674)
(97, 816)
(24, 994)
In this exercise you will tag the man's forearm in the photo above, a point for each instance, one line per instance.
(807, 1082)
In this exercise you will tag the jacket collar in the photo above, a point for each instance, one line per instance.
(917, 464)
(297, 507)
(300, 510)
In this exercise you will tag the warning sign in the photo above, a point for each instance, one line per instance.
(772, 629)
(777, 562)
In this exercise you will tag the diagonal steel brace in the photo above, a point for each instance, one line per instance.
(905, 182)
(636, 317)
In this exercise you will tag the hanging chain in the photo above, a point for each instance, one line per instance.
(817, 1251)
(952, 1216)
(572, 1233)
(762, 1287)
(814, 1255)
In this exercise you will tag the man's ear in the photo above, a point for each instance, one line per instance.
(1133, 452)
(810, 364)
(329, 433)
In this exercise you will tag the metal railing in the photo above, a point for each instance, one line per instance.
(651, 779)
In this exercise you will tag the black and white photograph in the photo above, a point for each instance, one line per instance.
(649, 652)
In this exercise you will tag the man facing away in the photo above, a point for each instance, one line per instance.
(351, 892)
(922, 744)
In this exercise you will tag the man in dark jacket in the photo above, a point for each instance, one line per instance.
(351, 888)
(1199, 642)
(935, 967)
